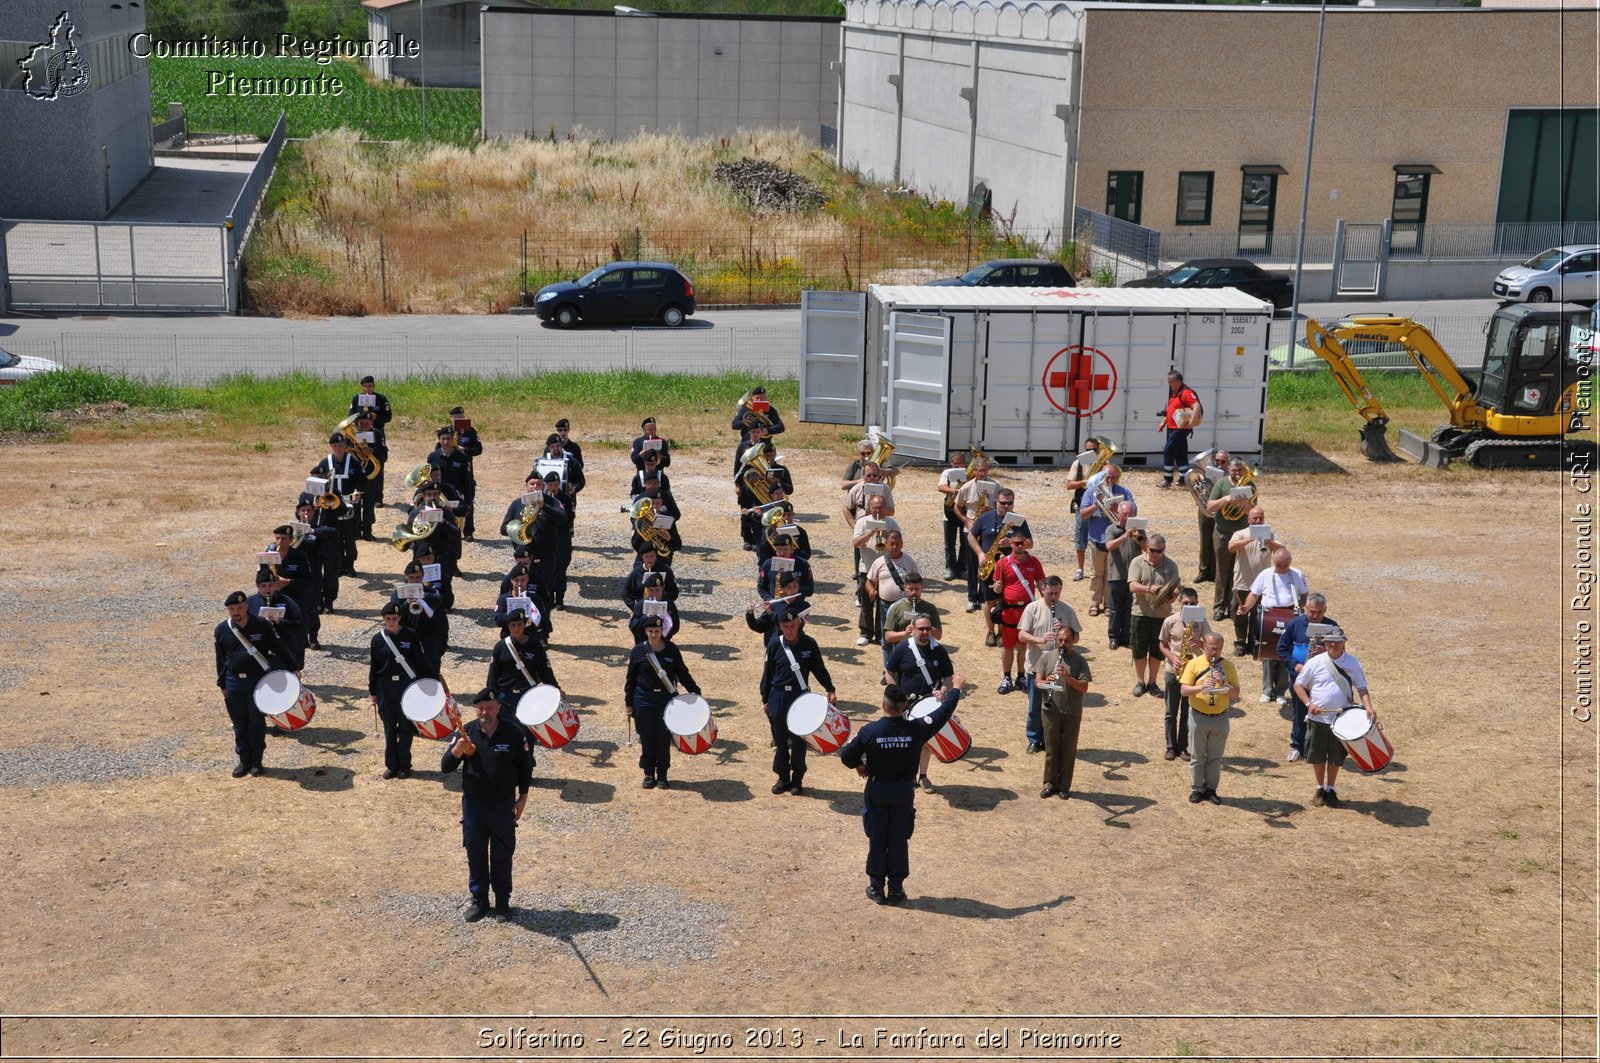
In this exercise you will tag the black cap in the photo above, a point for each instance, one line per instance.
(263, 576)
(423, 549)
(517, 616)
(651, 476)
(895, 696)
(653, 580)
(414, 567)
(336, 438)
(652, 621)
(368, 380)
(236, 598)
(521, 551)
(441, 433)
(552, 478)
(758, 390)
(283, 529)
(457, 411)
(647, 420)
(552, 438)
(484, 695)
(391, 609)
(563, 423)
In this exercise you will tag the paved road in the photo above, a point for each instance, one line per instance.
(192, 349)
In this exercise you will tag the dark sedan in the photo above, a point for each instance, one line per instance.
(1276, 288)
(1012, 273)
(619, 292)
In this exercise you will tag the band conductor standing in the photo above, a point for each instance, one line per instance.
(499, 773)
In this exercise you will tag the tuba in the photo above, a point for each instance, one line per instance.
(882, 450)
(644, 526)
(1103, 453)
(1241, 510)
(406, 534)
(751, 418)
(1199, 484)
(521, 533)
(753, 473)
(369, 461)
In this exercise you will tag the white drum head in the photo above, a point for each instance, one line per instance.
(1351, 725)
(807, 714)
(687, 714)
(276, 692)
(923, 708)
(538, 704)
(422, 700)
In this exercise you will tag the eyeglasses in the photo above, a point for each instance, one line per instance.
(1158, 549)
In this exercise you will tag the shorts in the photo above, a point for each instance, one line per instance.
(1008, 625)
(1321, 745)
(1146, 636)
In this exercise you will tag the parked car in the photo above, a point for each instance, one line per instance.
(1012, 273)
(15, 367)
(1567, 274)
(1240, 273)
(619, 292)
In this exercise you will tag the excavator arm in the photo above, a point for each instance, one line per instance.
(1374, 443)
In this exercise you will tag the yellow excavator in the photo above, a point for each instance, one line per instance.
(1532, 408)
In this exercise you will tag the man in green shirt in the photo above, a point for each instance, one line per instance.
(1222, 598)
(1063, 675)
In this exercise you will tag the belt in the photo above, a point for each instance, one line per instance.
(1202, 712)
(789, 687)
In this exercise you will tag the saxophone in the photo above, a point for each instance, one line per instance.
(992, 558)
(1187, 647)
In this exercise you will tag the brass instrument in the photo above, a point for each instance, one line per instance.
(1240, 510)
(369, 461)
(1187, 647)
(753, 473)
(643, 513)
(972, 464)
(522, 533)
(772, 520)
(1198, 483)
(418, 476)
(752, 418)
(1104, 452)
(406, 534)
(992, 558)
(882, 450)
(329, 501)
(1104, 496)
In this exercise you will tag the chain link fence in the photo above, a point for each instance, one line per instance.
(1462, 337)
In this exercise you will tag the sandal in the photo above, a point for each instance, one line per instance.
(1095, 610)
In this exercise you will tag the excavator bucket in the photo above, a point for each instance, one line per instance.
(1423, 451)
(1374, 441)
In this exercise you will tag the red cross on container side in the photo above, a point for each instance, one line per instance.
(1082, 382)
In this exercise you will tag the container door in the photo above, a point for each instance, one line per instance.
(918, 414)
(832, 347)
(1223, 358)
(1133, 352)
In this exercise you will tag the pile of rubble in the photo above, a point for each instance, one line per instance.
(766, 186)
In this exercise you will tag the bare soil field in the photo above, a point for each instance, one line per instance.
(144, 881)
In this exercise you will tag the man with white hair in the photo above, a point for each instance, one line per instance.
(1330, 682)
(1279, 587)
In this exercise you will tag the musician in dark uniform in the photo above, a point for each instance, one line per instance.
(372, 497)
(295, 579)
(653, 460)
(292, 628)
(801, 570)
(755, 427)
(762, 617)
(498, 755)
(470, 444)
(397, 658)
(790, 659)
(656, 670)
(518, 663)
(347, 479)
(802, 540)
(885, 753)
(564, 430)
(572, 479)
(654, 591)
(374, 400)
(665, 505)
(247, 649)
(425, 617)
(324, 552)
(522, 587)
(452, 468)
(648, 563)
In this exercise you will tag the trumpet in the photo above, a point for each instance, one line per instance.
(369, 461)
(414, 606)
(1241, 509)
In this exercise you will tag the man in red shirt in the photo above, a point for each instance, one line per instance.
(1182, 418)
(1017, 580)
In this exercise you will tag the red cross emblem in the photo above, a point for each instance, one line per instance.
(1059, 293)
(1087, 383)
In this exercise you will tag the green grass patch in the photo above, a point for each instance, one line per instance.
(1308, 407)
(27, 406)
(378, 112)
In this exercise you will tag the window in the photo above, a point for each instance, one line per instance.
(1410, 209)
(1548, 173)
(647, 278)
(1123, 191)
(1258, 206)
(1194, 197)
(613, 281)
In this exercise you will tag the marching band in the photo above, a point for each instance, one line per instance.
(261, 648)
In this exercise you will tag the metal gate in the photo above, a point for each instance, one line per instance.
(1360, 257)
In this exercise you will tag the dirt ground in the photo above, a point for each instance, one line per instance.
(144, 881)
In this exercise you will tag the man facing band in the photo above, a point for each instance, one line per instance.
(655, 671)
(498, 757)
(885, 752)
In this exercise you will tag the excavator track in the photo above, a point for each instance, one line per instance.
(1543, 453)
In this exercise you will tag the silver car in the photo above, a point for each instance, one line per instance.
(14, 367)
(1567, 274)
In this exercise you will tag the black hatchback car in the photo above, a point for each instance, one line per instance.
(619, 292)
(1240, 273)
(1012, 273)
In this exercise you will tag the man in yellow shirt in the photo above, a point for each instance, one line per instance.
(1210, 683)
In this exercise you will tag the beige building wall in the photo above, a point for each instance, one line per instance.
(1176, 89)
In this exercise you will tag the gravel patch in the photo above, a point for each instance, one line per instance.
(47, 766)
(636, 924)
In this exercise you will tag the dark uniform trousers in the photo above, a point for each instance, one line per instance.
(955, 537)
(1060, 745)
(489, 833)
(1208, 547)
(372, 498)
(249, 725)
(889, 816)
(398, 730)
(655, 742)
(789, 750)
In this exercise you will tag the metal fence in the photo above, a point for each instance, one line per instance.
(118, 266)
(1486, 242)
(1463, 337)
(241, 219)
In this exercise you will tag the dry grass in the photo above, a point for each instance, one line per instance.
(452, 220)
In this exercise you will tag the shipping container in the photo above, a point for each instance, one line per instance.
(1026, 374)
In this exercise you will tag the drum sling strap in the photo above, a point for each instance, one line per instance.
(661, 673)
(411, 673)
(256, 654)
(921, 664)
(894, 574)
(517, 657)
(799, 676)
(1345, 684)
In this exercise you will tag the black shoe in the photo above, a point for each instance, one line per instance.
(1211, 795)
(797, 790)
(1219, 613)
(875, 894)
(1171, 754)
(649, 782)
(663, 784)
(389, 773)
(927, 786)
(476, 910)
(469, 537)
(779, 787)
(1196, 796)
(1005, 685)
(1318, 799)
(316, 645)
(1138, 690)
(1064, 794)
(504, 912)
(1035, 747)
(1048, 791)
(1205, 579)
(240, 770)
(897, 894)
(256, 771)
(1331, 799)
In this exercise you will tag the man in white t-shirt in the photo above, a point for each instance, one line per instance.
(1328, 684)
(1278, 587)
(886, 581)
(868, 541)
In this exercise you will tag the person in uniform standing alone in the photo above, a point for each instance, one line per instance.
(498, 758)
(790, 658)
(885, 753)
(655, 670)
(247, 649)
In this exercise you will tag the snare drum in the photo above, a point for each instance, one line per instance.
(545, 713)
(952, 741)
(688, 719)
(431, 707)
(820, 725)
(1363, 739)
(1273, 621)
(283, 701)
